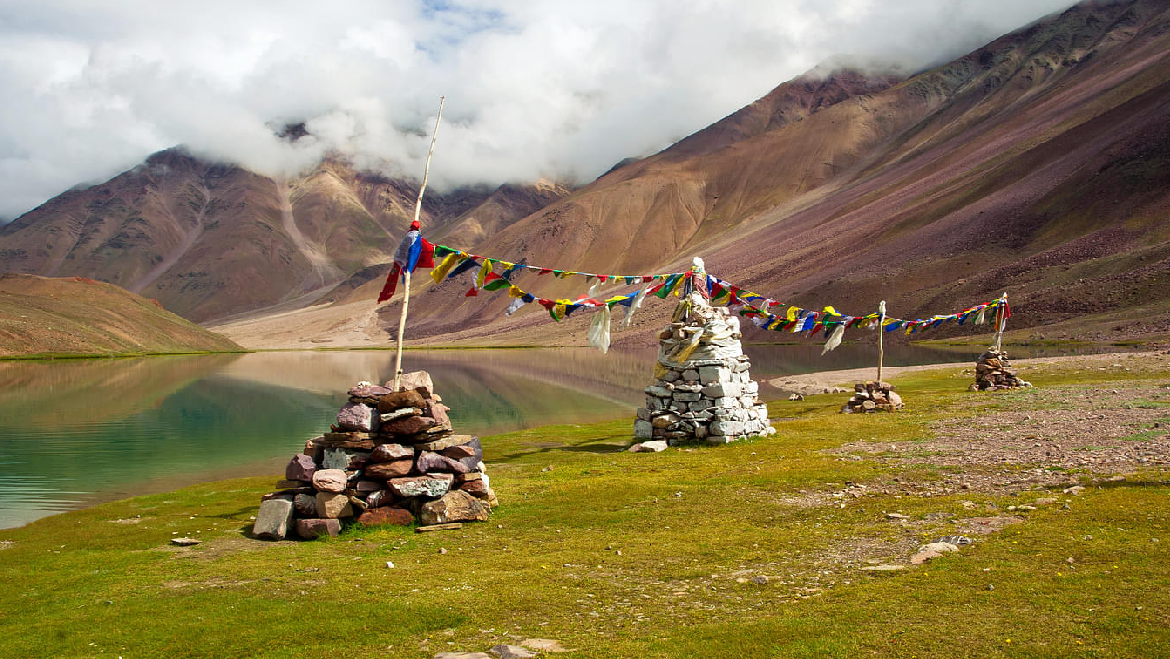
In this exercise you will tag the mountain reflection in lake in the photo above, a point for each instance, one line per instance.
(76, 432)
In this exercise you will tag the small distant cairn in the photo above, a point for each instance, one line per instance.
(391, 458)
(872, 396)
(703, 389)
(993, 371)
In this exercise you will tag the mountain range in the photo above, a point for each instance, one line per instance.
(1037, 165)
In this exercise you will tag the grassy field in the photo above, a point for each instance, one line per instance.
(757, 549)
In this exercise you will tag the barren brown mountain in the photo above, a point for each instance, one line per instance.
(1036, 165)
(211, 241)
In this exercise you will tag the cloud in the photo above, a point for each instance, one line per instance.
(534, 89)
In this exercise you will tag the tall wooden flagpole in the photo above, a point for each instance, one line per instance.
(881, 331)
(417, 213)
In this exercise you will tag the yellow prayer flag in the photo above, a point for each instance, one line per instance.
(440, 273)
(483, 273)
(792, 311)
(514, 291)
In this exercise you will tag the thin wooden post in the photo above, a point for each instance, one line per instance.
(417, 213)
(1002, 315)
(881, 331)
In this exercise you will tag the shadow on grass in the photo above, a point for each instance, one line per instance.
(603, 445)
(1108, 485)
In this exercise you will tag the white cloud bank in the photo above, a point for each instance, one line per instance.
(555, 89)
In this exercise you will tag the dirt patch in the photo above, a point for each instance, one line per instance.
(1097, 429)
(6, 544)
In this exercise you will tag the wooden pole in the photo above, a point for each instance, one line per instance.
(1002, 322)
(417, 213)
(881, 331)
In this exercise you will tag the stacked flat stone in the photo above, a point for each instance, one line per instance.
(871, 396)
(993, 371)
(391, 458)
(703, 389)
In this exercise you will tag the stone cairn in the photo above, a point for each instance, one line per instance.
(391, 458)
(703, 390)
(993, 371)
(871, 396)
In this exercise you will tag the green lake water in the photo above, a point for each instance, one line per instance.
(77, 432)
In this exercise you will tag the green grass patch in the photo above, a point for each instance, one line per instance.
(627, 555)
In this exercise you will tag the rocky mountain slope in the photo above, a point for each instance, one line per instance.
(1037, 165)
(213, 240)
(39, 315)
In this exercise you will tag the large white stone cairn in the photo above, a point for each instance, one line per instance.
(703, 390)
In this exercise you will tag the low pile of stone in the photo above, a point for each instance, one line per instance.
(703, 389)
(872, 396)
(993, 371)
(391, 458)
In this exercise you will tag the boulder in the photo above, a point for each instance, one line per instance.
(273, 518)
(365, 486)
(446, 442)
(401, 399)
(350, 440)
(379, 499)
(648, 447)
(504, 651)
(392, 515)
(315, 528)
(390, 453)
(329, 480)
(312, 446)
(456, 506)
(478, 489)
(460, 452)
(438, 412)
(434, 462)
(366, 390)
(388, 470)
(358, 417)
(722, 389)
(726, 428)
(417, 380)
(665, 420)
(305, 505)
(430, 486)
(300, 468)
(470, 454)
(408, 425)
(333, 506)
(340, 458)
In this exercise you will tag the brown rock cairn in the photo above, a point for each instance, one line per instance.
(993, 372)
(391, 458)
(872, 396)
